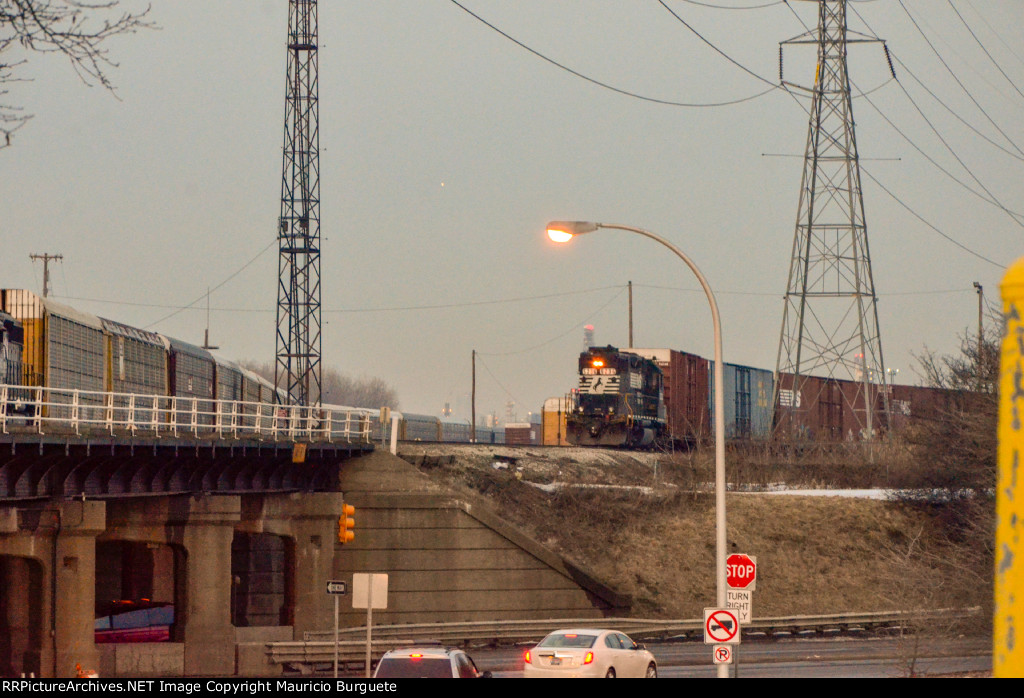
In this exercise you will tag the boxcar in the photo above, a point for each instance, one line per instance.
(686, 388)
(747, 400)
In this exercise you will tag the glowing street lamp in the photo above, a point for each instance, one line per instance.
(563, 231)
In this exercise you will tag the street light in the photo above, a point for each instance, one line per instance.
(564, 231)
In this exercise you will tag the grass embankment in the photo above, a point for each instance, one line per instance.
(816, 555)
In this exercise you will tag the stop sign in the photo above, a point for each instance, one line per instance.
(741, 571)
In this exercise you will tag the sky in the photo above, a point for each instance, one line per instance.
(446, 147)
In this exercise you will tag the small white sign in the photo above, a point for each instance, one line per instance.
(337, 587)
(742, 602)
(723, 654)
(369, 591)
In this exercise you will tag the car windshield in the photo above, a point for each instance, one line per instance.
(411, 668)
(568, 640)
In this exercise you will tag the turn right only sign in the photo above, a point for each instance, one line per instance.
(741, 571)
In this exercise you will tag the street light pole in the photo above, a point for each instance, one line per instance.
(563, 231)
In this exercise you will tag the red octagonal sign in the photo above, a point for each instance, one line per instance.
(741, 571)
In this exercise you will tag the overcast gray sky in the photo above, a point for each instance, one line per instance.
(446, 147)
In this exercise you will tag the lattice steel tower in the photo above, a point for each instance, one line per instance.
(830, 322)
(298, 291)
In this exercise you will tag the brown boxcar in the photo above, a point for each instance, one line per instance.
(685, 393)
(519, 434)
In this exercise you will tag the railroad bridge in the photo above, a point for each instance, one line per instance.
(166, 527)
(181, 545)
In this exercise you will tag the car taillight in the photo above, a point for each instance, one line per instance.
(589, 658)
(526, 657)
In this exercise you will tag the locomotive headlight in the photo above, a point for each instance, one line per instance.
(598, 363)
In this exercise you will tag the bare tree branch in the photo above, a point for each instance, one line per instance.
(75, 28)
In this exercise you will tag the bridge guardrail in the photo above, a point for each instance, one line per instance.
(42, 409)
(318, 646)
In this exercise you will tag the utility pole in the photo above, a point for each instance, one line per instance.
(472, 404)
(977, 366)
(206, 333)
(630, 314)
(830, 319)
(298, 293)
(47, 258)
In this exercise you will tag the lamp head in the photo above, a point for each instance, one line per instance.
(563, 231)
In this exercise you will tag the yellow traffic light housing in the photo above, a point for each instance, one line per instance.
(346, 523)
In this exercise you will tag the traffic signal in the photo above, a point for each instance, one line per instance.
(346, 523)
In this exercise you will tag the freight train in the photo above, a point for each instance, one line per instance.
(607, 412)
(429, 429)
(79, 358)
(46, 344)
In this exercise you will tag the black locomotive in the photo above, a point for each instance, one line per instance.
(618, 401)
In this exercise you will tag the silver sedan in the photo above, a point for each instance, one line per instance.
(589, 653)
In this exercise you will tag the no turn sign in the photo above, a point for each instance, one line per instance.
(721, 626)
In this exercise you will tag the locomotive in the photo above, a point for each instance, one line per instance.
(619, 401)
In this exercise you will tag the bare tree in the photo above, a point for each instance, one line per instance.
(956, 441)
(78, 29)
(341, 389)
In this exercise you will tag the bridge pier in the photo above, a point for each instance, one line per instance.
(238, 571)
(47, 563)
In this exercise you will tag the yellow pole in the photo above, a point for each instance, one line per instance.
(1008, 626)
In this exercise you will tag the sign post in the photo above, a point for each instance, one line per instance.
(336, 588)
(741, 578)
(369, 591)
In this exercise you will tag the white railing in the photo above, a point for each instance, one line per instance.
(51, 410)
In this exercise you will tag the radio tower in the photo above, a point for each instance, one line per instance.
(830, 322)
(298, 292)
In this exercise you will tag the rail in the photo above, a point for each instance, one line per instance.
(44, 410)
(318, 646)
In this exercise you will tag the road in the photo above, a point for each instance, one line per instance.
(797, 658)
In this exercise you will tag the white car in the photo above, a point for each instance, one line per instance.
(428, 663)
(589, 653)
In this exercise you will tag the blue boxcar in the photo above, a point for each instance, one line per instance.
(747, 398)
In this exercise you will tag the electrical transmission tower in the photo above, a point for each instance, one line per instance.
(830, 322)
(298, 292)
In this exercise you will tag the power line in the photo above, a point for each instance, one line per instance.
(573, 328)
(958, 82)
(440, 306)
(733, 7)
(240, 270)
(995, 33)
(716, 49)
(953, 111)
(991, 198)
(927, 223)
(985, 50)
(604, 84)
